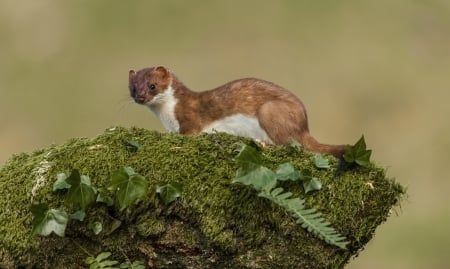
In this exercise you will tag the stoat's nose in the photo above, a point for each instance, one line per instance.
(140, 99)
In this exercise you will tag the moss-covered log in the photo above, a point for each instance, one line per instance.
(214, 224)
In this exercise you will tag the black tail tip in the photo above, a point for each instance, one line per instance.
(343, 166)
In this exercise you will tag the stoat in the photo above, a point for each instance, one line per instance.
(247, 107)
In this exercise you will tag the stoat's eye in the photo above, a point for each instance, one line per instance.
(151, 86)
(133, 90)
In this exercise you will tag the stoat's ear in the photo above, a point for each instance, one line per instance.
(164, 71)
(131, 74)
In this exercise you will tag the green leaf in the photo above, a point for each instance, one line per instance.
(129, 186)
(101, 262)
(81, 192)
(358, 153)
(248, 156)
(287, 171)
(133, 145)
(312, 184)
(87, 181)
(305, 174)
(169, 192)
(258, 176)
(134, 265)
(251, 172)
(104, 197)
(103, 256)
(108, 264)
(321, 162)
(363, 159)
(294, 144)
(80, 215)
(115, 224)
(349, 155)
(61, 183)
(48, 220)
(89, 260)
(96, 227)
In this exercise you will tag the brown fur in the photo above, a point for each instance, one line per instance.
(280, 113)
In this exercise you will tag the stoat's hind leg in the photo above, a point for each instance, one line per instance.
(282, 121)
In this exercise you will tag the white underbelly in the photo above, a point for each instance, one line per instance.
(240, 125)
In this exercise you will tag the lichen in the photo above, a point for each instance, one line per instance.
(214, 224)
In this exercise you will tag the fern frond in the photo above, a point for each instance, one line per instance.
(309, 219)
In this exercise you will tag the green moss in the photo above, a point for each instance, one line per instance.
(148, 225)
(214, 224)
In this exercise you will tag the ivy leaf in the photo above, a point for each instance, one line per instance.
(133, 145)
(48, 220)
(169, 192)
(129, 186)
(305, 174)
(287, 171)
(358, 153)
(312, 184)
(248, 156)
(294, 144)
(96, 227)
(61, 183)
(258, 176)
(104, 197)
(81, 192)
(251, 172)
(80, 215)
(321, 162)
(115, 224)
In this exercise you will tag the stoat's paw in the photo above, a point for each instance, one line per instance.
(261, 143)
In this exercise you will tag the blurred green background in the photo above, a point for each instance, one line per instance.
(378, 68)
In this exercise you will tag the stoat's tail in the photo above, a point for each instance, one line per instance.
(311, 144)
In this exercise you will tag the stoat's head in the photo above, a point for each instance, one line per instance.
(147, 83)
